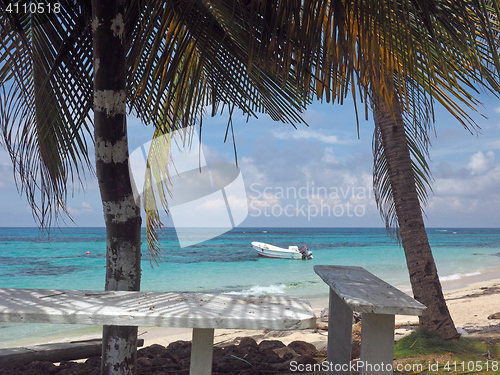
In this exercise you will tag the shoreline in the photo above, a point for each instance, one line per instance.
(470, 299)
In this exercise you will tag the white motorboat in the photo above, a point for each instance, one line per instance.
(270, 251)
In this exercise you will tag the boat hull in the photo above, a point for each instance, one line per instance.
(270, 251)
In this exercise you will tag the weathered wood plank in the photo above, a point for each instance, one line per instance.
(67, 351)
(366, 293)
(184, 310)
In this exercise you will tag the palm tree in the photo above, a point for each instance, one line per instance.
(164, 61)
(401, 172)
(393, 164)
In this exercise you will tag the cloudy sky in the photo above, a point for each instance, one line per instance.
(319, 175)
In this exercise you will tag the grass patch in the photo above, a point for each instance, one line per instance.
(422, 342)
(423, 352)
(427, 353)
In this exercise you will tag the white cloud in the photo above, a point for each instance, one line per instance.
(256, 202)
(469, 190)
(251, 172)
(212, 205)
(307, 135)
(328, 157)
(480, 163)
(73, 211)
(495, 144)
(236, 202)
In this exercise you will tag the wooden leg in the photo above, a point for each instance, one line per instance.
(339, 335)
(377, 344)
(202, 351)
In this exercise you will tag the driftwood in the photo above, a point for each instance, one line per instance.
(54, 352)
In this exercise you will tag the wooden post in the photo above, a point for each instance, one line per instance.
(202, 351)
(377, 344)
(339, 334)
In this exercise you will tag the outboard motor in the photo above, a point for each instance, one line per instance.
(306, 254)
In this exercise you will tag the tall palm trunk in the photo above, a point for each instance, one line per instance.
(424, 278)
(121, 212)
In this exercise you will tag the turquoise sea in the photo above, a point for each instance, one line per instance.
(228, 264)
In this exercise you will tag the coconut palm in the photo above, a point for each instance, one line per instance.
(165, 61)
(451, 51)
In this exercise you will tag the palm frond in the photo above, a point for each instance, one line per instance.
(257, 56)
(447, 47)
(159, 161)
(187, 59)
(193, 54)
(44, 131)
(434, 52)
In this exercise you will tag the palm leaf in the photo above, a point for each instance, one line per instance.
(417, 142)
(45, 130)
(258, 56)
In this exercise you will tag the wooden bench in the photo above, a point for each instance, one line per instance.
(201, 312)
(356, 289)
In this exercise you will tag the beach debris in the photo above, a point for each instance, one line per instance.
(356, 340)
(303, 348)
(55, 352)
(324, 313)
(287, 352)
(494, 316)
(322, 325)
(323, 317)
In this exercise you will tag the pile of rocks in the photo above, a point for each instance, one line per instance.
(244, 358)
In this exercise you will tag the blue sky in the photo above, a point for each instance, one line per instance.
(319, 175)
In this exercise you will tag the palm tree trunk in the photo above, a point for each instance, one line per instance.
(121, 211)
(422, 269)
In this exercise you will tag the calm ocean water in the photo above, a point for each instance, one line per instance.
(29, 259)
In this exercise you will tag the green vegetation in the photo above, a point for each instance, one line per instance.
(424, 352)
(422, 342)
(427, 353)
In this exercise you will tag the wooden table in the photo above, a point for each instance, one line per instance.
(202, 312)
(356, 289)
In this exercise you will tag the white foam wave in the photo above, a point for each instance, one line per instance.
(458, 276)
(260, 290)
